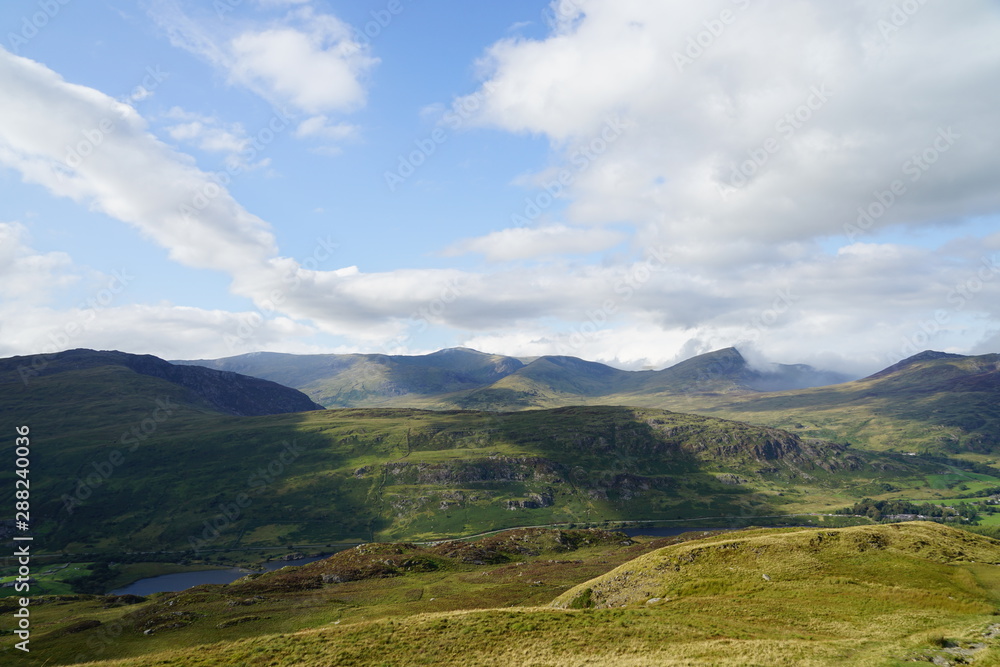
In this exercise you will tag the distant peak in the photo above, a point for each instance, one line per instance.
(459, 350)
(926, 355)
(730, 354)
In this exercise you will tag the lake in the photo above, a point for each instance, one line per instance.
(183, 580)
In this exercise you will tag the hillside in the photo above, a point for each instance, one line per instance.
(65, 373)
(877, 558)
(932, 402)
(461, 378)
(864, 596)
(366, 380)
(367, 474)
(157, 464)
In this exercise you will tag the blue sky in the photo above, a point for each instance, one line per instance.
(624, 181)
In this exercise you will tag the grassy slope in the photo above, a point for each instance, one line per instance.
(946, 404)
(881, 595)
(406, 474)
(522, 567)
(372, 380)
(937, 403)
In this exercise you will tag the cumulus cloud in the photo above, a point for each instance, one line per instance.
(80, 143)
(307, 62)
(27, 275)
(165, 330)
(729, 141)
(525, 243)
(740, 171)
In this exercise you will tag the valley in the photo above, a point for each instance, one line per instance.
(152, 468)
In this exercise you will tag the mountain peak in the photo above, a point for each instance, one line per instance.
(458, 350)
(926, 355)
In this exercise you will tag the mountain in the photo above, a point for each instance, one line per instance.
(932, 401)
(364, 380)
(159, 466)
(468, 379)
(224, 392)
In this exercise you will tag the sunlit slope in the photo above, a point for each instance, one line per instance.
(871, 596)
(930, 402)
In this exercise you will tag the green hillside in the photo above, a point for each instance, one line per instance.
(930, 402)
(133, 462)
(214, 482)
(367, 380)
(900, 594)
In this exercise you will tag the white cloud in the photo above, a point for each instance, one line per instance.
(842, 108)
(27, 276)
(754, 267)
(313, 71)
(308, 62)
(210, 134)
(320, 126)
(80, 143)
(526, 243)
(165, 330)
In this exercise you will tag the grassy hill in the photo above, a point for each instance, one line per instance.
(367, 380)
(931, 402)
(214, 482)
(75, 375)
(134, 462)
(872, 595)
(461, 378)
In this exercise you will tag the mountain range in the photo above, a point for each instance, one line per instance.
(468, 379)
(134, 458)
(930, 402)
(158, 455)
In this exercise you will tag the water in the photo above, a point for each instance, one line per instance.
(184, 580)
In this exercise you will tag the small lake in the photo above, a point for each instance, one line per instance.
(183, 580)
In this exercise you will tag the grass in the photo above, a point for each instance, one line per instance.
(390, 474)
(877, 595)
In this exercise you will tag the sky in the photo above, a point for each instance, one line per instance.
(625, 181)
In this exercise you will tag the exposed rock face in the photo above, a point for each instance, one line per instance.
(227, 392)
(494, 469)
(534, 501)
